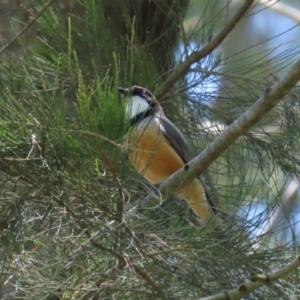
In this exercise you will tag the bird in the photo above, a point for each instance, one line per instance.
(158, 148)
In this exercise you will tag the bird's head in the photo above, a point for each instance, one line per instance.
(139, 101)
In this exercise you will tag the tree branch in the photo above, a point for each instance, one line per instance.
(256, 281)
(254, 114)
(6, 46)
(195, 56)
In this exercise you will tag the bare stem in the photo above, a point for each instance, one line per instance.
(6, 46)
(256, 281)
(195, 56)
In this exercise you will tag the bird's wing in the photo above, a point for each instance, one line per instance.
(176, 139)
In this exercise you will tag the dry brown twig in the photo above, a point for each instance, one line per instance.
(256, 281)
(8, 44)
(183, 68)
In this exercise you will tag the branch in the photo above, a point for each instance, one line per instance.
(195, 56)
(283, 9)
(6, 46)
(122, 261)
(254, 114)
(256, 281)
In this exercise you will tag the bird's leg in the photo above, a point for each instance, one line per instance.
(157, 185)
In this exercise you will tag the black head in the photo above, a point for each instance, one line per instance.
(140, 102)
(138, 91)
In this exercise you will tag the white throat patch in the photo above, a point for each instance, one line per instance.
(135, 106)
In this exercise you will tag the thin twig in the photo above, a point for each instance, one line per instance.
(122, 261)
(254, 114)
(195, 56)
(226, 75)
(283, 209)
(256, 281)
(6, 46)
(97, 135)
(146, 277)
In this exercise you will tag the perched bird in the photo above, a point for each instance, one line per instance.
(159, 149)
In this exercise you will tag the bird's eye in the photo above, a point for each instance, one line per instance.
(145, 94)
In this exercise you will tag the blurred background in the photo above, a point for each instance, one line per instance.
(59, 74)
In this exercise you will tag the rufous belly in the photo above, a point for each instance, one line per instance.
(154, 158)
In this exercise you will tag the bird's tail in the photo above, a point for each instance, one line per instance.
(194, 194)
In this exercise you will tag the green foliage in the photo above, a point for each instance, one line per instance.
(69, 227)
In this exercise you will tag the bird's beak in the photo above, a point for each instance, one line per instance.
(123, 91)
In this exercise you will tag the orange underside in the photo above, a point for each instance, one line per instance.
(156, 160)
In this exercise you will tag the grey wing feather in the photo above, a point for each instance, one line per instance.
(176, 139)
